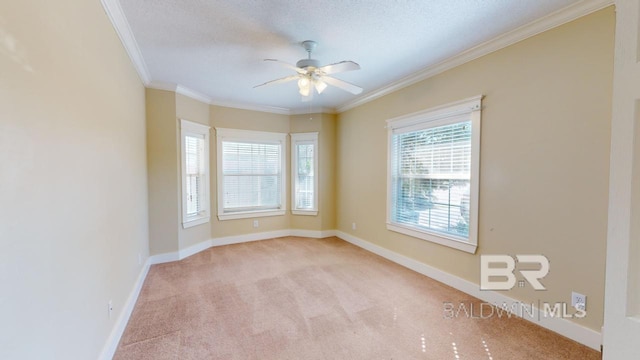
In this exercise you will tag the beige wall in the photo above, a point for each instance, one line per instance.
(325, 126)
(73, 184)
(163, 163)
(164, 109)
(544, 159)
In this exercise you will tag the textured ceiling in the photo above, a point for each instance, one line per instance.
(216, 47)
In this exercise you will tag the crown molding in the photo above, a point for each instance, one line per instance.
(179, 89)
(252, 107)
(533, 28)
(313, 110)
(121, 25)
(193, 94)
(158, 85)
(115, 13)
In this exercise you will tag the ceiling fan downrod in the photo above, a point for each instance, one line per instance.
(309, 46)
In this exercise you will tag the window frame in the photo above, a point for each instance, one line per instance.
(304, 139)
(451, 113)
(224, 134)
(190, 128)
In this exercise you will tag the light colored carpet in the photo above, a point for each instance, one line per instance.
(297, 298)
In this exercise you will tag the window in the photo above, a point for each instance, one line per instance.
(251, 173)
(304, 168)
(195, 173)
(433, 174)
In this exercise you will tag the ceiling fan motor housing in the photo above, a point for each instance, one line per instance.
(305, 63)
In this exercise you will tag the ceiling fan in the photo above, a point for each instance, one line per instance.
(311, 75)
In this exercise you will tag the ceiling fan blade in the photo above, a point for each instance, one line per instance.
(342, 85)
(342, 66)
(278, 81)
(290, 66)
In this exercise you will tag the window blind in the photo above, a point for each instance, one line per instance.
(252, 175)
(304, 192)
(431, 178)
(195, 173)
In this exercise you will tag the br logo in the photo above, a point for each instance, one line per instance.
(497, 271)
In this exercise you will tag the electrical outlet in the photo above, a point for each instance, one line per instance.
(256, 223)
(353, 226)
(578, 301)
(110, 308)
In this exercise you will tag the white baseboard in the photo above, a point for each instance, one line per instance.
(194, 249)
(576, 332)
(164, 258)
(121, 322)
(237, 239)
(316, 234)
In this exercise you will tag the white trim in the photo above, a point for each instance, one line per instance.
(159, 85)
(194, 127)
(179, 89)
(252, 107)
(190, 128)
(305, 212)
(576, 332)
(316, 234)
(164, 258)
(464, 106)
(250, 214)
(120, 325)
(224, 134)
(239, 134)
(194, 249)
(533, 28)
(458, 111)
(445, 240)
(313, 110)
(621, 318)
(196, 95)
(560, 17)
(121, 25)
(237, 239)
(195, 222)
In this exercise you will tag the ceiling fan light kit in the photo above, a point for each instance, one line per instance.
(311, 75)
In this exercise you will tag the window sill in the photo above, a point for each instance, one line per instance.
(195, 221)
(305, 212)
(250, 214)
(438, 239)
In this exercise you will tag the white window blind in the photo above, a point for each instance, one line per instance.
(305, 173)
(433, 174)
(251, 173)
(431, 178)
(195, 173)
(305, 176)
(252, 176)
